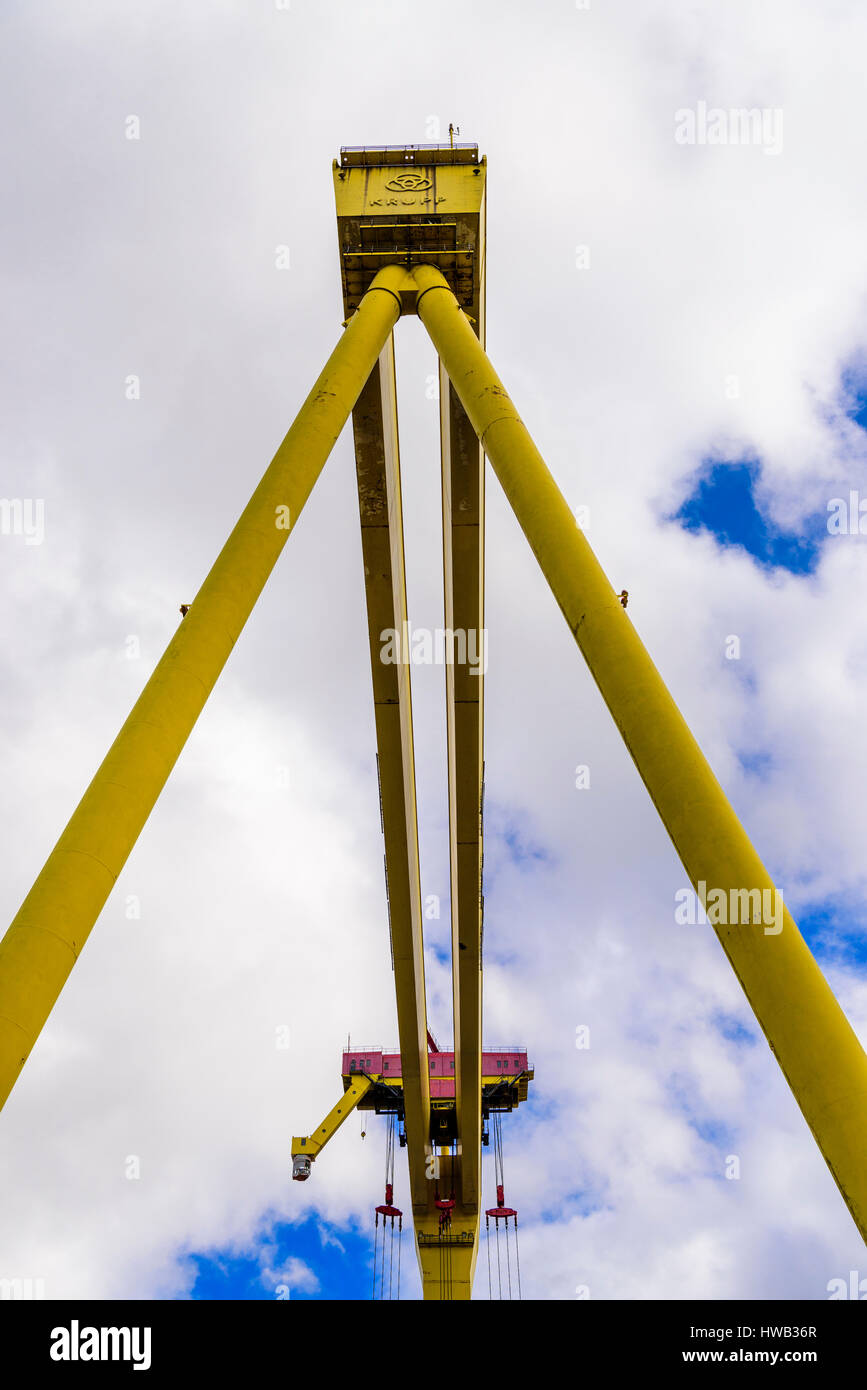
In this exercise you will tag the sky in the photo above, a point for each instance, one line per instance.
(682, 327)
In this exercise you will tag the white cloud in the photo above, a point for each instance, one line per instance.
(262, 904)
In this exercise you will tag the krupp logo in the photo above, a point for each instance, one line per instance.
(410, 182)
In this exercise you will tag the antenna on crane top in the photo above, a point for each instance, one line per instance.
(453, 131)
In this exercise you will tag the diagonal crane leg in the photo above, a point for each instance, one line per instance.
(44, 941)
(820, 1056)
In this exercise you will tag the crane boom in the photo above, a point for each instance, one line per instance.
(307, 1147)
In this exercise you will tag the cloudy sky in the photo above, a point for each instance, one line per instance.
(682, 327)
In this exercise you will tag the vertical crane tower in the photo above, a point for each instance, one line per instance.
(411, 227)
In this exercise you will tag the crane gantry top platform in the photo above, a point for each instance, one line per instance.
(412, 205)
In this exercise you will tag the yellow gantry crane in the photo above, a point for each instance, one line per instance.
(411, 225)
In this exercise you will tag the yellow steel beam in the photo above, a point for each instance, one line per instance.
(808, 1032)
(374, 424)
(310, 1146)
(463, 489)
(42, 944)
(447, 1258)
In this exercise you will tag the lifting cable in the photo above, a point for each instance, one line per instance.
(388, 1211)
(501, 1213)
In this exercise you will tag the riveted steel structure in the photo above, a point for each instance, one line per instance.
(416, 206)
(411, 229)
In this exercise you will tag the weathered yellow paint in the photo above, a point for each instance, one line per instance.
(808, 1032)
(463, 490)
(409, 205)
(447, 1259)
(403, 206)
(42, 944)
(377, 461)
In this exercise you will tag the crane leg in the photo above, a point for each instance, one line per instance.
(816, 1047)
(42, 944)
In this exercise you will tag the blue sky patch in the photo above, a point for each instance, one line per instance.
(510, 840)
(318, 1260)
(756, 763)
(723, 503)
(733, 1030)
(683, 1093)
(855, 395)
(836, 932)
(522, 851)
